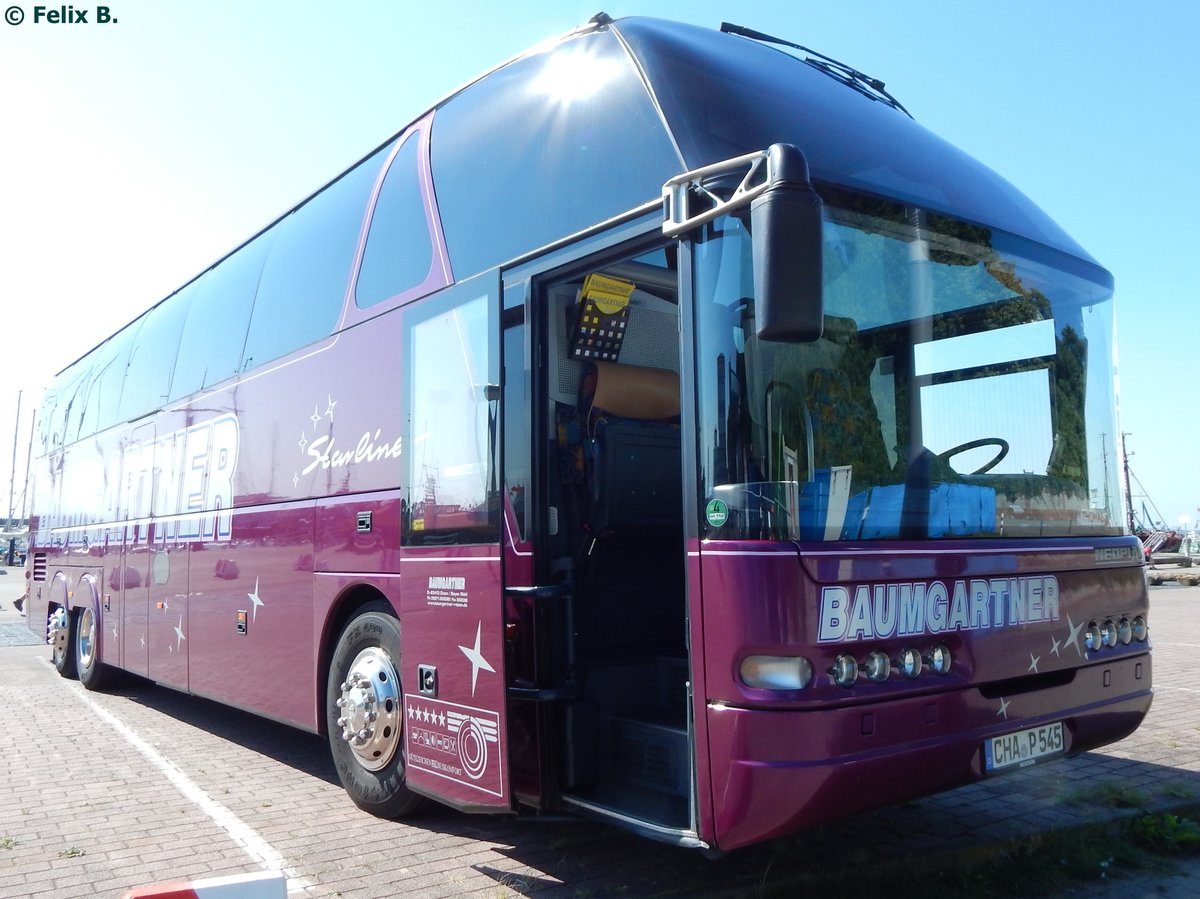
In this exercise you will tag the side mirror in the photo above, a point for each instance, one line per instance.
(785, 221)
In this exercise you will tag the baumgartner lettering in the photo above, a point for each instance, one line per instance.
(322, 453)
(879, 611)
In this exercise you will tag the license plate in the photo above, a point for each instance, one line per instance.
(1023, 747)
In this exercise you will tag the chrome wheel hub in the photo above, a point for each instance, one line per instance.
(85, 643)
(369, 708)
(58, 631)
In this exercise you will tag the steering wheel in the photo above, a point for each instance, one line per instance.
(975, 444)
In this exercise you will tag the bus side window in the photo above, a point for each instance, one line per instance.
(211, 347)
(399, 251)
(303, 285)
(148, 377)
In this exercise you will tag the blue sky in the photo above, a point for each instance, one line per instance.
(135, 153)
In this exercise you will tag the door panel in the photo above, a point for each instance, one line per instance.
(451, 631)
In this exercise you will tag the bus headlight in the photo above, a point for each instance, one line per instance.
(844, 670)
(909, 663)
(1092, 637)
(1140, 630)
(1124, 631)
(776, 672)
(1108, 633)
(878, 666)
(940, 659)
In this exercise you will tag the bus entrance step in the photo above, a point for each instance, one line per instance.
(650, 754)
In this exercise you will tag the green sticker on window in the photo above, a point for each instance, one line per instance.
(716, 513)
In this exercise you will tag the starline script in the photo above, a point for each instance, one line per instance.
(879, 611)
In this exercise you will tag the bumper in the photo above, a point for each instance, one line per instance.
(774, 772)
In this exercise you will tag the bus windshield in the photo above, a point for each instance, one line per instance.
(962, 388)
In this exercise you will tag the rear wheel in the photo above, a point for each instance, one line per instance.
(364, 714)
(60, 634)
(93, 673)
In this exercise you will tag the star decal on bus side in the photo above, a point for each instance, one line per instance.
(1073, 636)
(476, 657)
(1055, 646)
(329, 408)
(1004, 704)
(1033, 663)
(316, 417)
(179, 637)
(254, 598)
(303, 442)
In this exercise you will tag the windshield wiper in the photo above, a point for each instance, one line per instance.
(851, 77)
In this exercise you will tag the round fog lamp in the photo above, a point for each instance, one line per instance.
(1124, 631)
(940, 659)
(1092, 638)
(1108, 633)
(776, 672)
(909, 662)
(844, 670)
(1140, 630)
(878, 666)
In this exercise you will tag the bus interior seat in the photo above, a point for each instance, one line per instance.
(631, 414)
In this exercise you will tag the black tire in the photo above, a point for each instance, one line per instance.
(364, 674)
(62, 649)
(93, 674)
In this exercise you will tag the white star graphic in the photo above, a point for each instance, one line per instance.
(476, 658)
(329, 408)
(1055, 646)
(1033, 663)
(411, 711)
(254, 598)
(303, 442)
(179, 637)
(1073, 636)
(114, 633)
(295, 478)
(315, 418)
(1004, 703)
(143, 641)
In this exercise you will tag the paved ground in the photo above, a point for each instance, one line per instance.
(101, 792)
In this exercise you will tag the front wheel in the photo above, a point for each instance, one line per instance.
(364, 714)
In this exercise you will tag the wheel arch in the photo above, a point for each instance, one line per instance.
(348, 603)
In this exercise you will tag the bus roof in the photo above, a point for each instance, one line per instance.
(723, 95)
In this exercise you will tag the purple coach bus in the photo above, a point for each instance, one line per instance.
(663, 428)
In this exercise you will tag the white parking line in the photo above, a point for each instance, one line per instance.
(242, 833)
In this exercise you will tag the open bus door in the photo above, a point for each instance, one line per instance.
(451, 617)
(596, 569)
